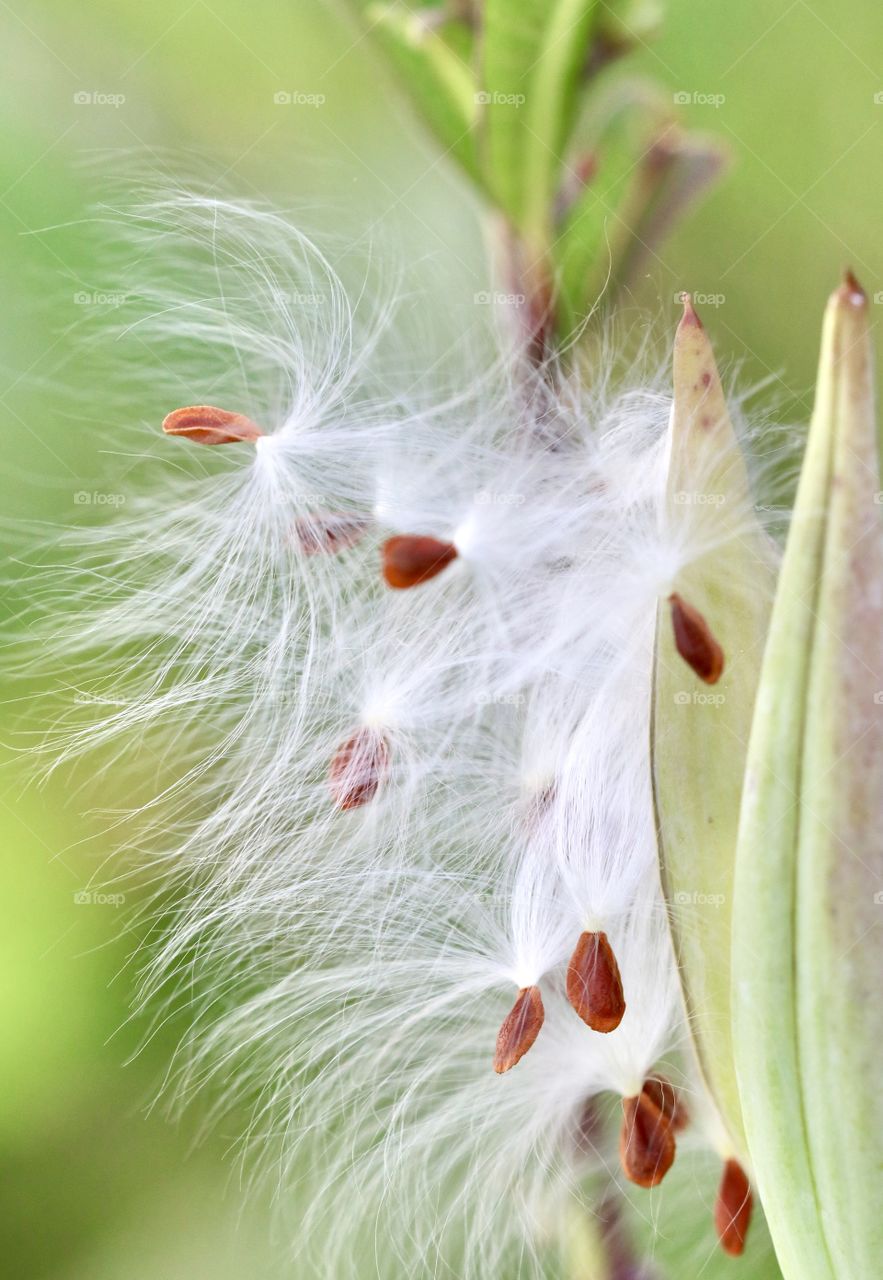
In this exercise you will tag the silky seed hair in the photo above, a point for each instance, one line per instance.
(391, 651)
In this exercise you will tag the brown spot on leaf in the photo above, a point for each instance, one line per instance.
(409, 561)
(205, 424)
(358, 768)
(646, 1141)
(732, 1208)
(327, 533)
(694, 641)
(594, 986)
(520, 1028)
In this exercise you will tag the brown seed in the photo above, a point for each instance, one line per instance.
(520, 1028)
(594, 986)
(358, 769)
(732, 1209)
(204, 424)
(324, 532)
(408, 561)
(694, 641)
(666, 1097)
(646, 1141)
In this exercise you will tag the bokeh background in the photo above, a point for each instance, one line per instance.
(95, 1182)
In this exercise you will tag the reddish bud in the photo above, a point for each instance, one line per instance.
(325, 533)
(732, 1208)
(666, 1097)
(594, 986)
(408, 561)
(358, 769)
(646, 1141)
(694, 641)
(204, 424)
(520, 1028)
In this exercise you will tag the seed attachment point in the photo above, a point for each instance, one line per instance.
(594, 986)
(646, 1141)
(520, 1028)
(205, 424)
(668, 1100)
(694, 640)
(410, 560)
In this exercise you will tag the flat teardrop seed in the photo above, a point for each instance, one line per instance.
(520, 1028)
(358, 769)
(695, 642)
(409, 561)
(646, 1142)
(206, 424)
(732, 1208)
(594, 985)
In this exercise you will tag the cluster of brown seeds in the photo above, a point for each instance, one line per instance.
(593, 983)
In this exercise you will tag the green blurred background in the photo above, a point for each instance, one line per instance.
(93, 1182)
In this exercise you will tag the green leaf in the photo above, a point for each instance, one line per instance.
(534, 54)
(700, 731)
(676, 172)
(595, 227)
(807, 952)
(434, 63)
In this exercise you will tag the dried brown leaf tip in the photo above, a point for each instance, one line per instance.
(694, 641)
(204, 424)
(326, 533)
(520, 1028)
(408, 561)
(732, 1208)
(666, 1097)
(359, 768)
(646, 1141)
(593, 984)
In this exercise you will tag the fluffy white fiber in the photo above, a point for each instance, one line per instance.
(356, 964)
